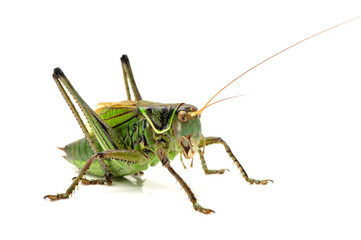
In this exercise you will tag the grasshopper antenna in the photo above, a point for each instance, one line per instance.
(274, 55)
(192, 114)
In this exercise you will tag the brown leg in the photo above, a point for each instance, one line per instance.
(166, 163)
(75, 183)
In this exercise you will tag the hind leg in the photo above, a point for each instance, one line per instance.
(128, 156)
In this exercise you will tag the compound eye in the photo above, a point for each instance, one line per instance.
(182, 116)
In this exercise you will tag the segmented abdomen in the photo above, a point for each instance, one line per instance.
(79, 152)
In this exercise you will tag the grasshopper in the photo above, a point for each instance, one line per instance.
(125, 138)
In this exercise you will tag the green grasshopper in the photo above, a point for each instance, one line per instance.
(125, 138)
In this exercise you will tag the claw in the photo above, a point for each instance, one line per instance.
(201, 209)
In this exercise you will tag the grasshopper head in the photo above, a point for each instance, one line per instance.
(187, 129)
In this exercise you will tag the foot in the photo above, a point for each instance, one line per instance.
(85, 181)
(57, 196)
(263, 182)
(201, 209)
(219, 171)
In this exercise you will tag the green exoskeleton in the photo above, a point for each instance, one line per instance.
(124, 138)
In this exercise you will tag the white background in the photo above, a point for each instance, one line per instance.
(300, 125)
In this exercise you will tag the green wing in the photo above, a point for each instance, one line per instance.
(117, 114)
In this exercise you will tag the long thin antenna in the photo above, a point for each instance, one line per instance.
(223, 100)
(192, 114)
(274, 55)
